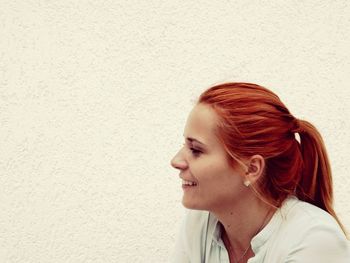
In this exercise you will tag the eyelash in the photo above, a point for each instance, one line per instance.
(194, 151)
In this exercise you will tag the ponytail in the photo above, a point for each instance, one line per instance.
(315, 183)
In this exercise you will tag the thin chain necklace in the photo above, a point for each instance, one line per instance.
(245, 252)
(247, 249)
(231, 251)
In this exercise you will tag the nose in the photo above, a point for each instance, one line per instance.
(178, 161)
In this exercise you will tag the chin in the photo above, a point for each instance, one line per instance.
(191, 205)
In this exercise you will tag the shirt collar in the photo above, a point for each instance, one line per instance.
(259, 239)
(216, 232)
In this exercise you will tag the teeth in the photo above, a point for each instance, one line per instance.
(184, 182)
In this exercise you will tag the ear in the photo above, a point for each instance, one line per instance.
(256, 167)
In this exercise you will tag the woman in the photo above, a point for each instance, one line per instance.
(254, 192)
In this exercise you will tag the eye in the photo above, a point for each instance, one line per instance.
(195, 152)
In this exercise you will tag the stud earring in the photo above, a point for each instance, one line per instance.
(246, 183)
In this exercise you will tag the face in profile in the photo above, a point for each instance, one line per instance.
(209, 182)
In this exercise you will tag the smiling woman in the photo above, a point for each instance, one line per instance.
(253, 192)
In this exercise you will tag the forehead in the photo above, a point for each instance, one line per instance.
(202, 124)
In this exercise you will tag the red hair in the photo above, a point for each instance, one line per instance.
(253, 120)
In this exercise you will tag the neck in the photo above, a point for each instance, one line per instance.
(242, 221)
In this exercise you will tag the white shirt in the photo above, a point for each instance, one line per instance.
(298, 232)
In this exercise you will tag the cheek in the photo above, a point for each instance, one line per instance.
(222, 177)
(216, 173)
(214, 169)
(226, 187)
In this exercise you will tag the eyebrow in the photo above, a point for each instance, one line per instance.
(194, 140)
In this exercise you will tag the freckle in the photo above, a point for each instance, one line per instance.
(228, 226)
(231, 213)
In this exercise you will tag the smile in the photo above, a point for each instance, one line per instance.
(188, 183)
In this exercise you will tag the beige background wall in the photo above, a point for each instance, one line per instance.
(93, 100)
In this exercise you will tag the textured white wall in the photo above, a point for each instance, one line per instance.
(93, 100)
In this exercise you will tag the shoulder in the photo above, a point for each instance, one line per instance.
(192, 239)
(312, 235)
(195, 225)
(304, 217)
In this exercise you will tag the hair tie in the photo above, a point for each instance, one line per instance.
(296, 130)
(296, 126)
